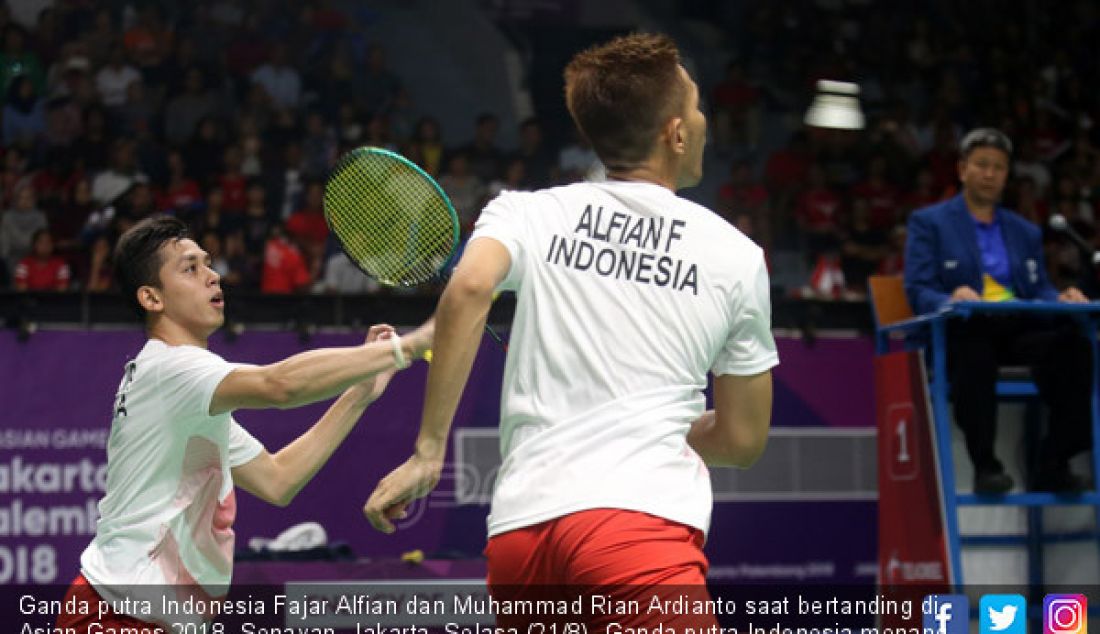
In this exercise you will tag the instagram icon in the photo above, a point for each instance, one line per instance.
(1065, 614)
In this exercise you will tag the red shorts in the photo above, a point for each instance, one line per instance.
(85, 594)
(621, 564)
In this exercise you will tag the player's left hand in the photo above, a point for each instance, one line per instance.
(1072, 295)
(391, 498)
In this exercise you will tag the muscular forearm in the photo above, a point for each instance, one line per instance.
(460, 319)
(320, 374)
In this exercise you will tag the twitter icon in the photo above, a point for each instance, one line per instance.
(1002, 614)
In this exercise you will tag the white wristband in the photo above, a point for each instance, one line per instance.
(398, 353)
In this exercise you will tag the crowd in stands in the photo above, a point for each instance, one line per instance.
(928, 72)
(226, 114)
(229, 114)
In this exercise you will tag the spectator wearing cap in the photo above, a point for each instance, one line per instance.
(970, 248)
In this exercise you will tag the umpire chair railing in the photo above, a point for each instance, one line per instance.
(892, 314)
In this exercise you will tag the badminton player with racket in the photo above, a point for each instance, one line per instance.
(627, 296)
(175, 453)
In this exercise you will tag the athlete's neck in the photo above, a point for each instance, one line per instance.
(173, 334)
(644, 174)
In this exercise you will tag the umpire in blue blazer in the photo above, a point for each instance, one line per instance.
(970, 248)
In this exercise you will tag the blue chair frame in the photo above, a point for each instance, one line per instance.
(935, 324)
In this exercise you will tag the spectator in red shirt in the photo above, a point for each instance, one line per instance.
(785, 175)
(182, 195)
(880, 196)
(307, 226)
(787, 168)
(42, 270)
(233, 181)
(736, 109)
(284, 269)
(741, 194)
(818, 214)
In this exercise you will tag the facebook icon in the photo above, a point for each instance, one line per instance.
(946, 614)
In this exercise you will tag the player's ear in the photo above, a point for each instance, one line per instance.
(674, 134)
(150, 299)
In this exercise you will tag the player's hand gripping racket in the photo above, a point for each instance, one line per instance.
(392, 219)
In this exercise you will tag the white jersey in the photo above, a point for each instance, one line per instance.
(626, 296)
(167, 515)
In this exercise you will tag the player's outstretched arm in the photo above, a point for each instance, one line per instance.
(315, 375)
(735, 432)
(277, 478)
(460, 320)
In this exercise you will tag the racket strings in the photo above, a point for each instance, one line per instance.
(391, 219)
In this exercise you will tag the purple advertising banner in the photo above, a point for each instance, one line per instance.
(59, 386)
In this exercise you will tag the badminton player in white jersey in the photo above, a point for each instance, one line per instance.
(626, 297)
(175, 452)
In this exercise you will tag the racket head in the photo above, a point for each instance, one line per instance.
(390, 217)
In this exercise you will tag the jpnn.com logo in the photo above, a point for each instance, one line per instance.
(946, 614)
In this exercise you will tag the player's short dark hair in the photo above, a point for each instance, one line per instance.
(621, 93)
(137, 257)
(984, 137)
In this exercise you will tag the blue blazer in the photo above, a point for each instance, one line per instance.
(942, 254)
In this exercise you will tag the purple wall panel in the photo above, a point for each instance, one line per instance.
(62, 380)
